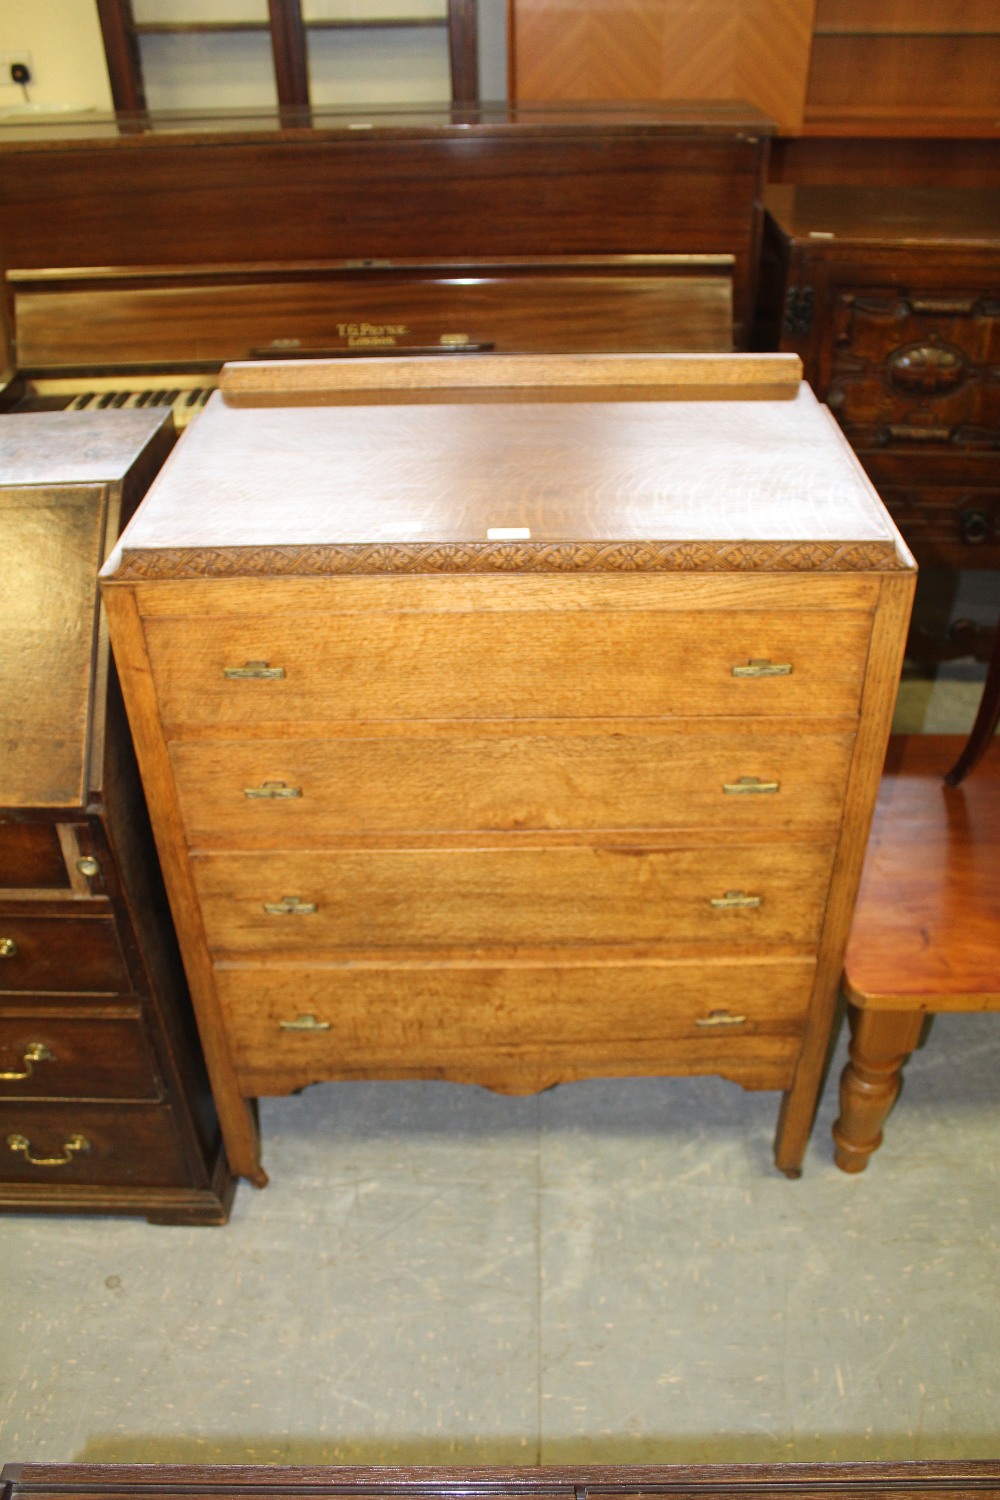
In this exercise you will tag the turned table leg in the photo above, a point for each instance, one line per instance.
(881, 1041)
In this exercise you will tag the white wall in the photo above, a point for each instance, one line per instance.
(63, 39)
(67, 55)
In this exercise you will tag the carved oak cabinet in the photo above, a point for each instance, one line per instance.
(511, 720)
(105, 1105)
(891, 296)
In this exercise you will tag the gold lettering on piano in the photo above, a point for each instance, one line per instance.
(371, 335)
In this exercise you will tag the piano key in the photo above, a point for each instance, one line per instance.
(80, 402)
(192, 396)
(107, 398)
(122, 397)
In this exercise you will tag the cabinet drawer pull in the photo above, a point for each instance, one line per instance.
(88, 866)
(734, 899)
(75, 1144)
(272, 789)
(253, 669)
(750, 786)
(960, 307)
(762, 666)
(290, 906)
(899, 432)
(35, 1052)
(304, 1023)
(8, 948)
(720, 1018)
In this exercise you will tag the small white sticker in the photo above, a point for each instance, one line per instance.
(508, 534)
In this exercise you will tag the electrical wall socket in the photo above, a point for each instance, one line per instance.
(9, 60)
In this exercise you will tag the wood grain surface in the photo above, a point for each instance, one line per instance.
(927, 931)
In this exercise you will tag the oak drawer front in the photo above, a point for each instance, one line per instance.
(31, 857)
(60, 953)
(442, 898)
(275, 790)
(515, 665)
(517, 1028)
(62, 1144)
(75, 1057)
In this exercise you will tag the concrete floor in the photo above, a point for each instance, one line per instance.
(611, 1271)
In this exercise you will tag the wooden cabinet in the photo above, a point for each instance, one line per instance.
(892, 299)
(872, 91)
(904, 67)
(104, 1102)
(535, 741)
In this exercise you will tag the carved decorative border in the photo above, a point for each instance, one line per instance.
(336, 560)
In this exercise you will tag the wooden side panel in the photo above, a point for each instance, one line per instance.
(238, 1128)
(884, 664)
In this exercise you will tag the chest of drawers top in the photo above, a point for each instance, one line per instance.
(556, 480)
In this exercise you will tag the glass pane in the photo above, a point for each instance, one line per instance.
(374, 10)
(408, 65)
(492, 28)
(150, 12)
(209, 70)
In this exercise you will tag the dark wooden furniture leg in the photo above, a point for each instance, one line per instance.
(881, 1041)
(986, 722)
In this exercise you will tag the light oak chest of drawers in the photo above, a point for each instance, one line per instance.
(512, 721)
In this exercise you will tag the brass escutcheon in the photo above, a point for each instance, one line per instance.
(8, 948)
(35, 1052)
(304, 1023)
(75, 1144)
(272, 789)
(720, 1018)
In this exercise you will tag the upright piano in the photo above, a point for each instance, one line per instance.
(139, 254)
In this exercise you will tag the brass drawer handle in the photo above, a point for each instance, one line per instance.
(762, 666)
(8, 948)
(253, 669)
(750, 786)
(290, 906)
(87, 865)
(35, 1052)
(720, 1018)
(272, 789)
(73, 1145)
(733, 899)
(304, 1023)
